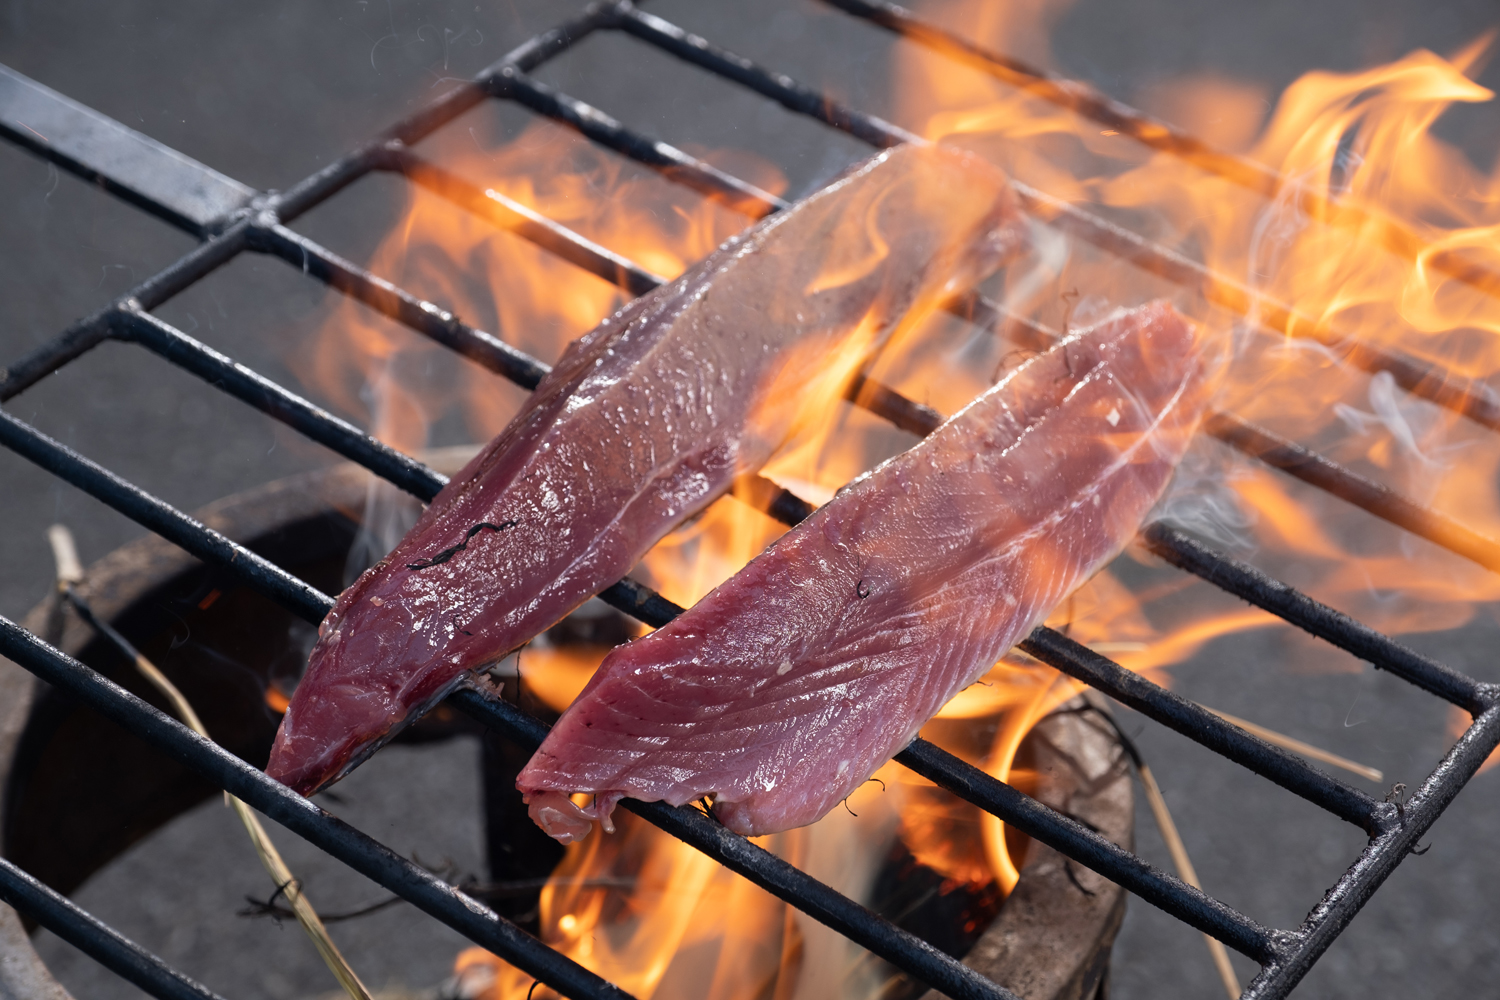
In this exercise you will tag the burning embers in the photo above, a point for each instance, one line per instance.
(1353, 242)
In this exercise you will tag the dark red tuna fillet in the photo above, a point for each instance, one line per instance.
(644, 421)
(784, 689)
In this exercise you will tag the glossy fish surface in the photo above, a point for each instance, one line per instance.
(784, 689)
(644, 422)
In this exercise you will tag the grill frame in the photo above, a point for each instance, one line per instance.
(232, 219)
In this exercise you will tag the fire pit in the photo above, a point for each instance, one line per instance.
(1052, 937)
(232, 218)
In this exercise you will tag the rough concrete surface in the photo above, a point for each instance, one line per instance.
(267, 92)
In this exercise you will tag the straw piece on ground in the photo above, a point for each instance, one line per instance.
(1185, 871)
(69, 574)
(1298, 747)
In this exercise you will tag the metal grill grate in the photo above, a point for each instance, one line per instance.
(231, 219)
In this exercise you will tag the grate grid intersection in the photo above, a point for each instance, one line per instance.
(259, 222)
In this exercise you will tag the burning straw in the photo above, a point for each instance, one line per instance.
(69, 575)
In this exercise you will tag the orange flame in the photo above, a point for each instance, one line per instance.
(1373, 233)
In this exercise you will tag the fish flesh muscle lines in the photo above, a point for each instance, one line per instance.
(644, 422)
(784, 689)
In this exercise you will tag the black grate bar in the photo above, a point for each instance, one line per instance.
(918, 418)
(777, 86)
(512, 216)
(972, 306)
(447, 904)
(430, 117)
(430, 320)
(1252, 585)
(1380, 500)
(307, 251)
(528, 55)
(629, 596)
(956, 775)
(1068, 836)
(1074, 95)
(263, 576)
(416, 478)
(162, 181)
(74, 342)
(783, 880)
(357, 850)
(883, 401)
(1083, 99)
(555, 41)
(1202, 726)
(191, 267)
(91, 331)
(1375, 864)
(506, 79)
(485, 348)
(162, 518)
(313, 190)
(95, 938)
(690, 171)
(1471, 397)
(1317, 470)
(772, 499)
(619, 270)
(410, 475)
(260, 392)
(640, 602)
(637, 598)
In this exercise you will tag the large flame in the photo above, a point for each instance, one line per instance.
(1372, 232)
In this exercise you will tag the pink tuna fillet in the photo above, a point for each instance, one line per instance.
(784, 689)
(642, 424)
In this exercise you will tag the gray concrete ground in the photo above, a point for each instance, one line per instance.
(182, 892)
(267, 92)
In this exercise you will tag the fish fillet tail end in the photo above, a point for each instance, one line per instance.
(564, 820)
(307, 775)
(309, 770)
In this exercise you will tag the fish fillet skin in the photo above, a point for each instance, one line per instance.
(784, 689)
(644, 422)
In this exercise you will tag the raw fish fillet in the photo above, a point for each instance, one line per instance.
(644, 422)
(784, 689)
